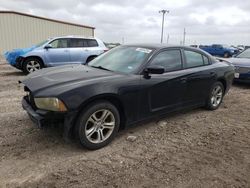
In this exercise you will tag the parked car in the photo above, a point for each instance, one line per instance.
(219, 50)
(242, 65)
(56, 51)
(241, 48)
(124, 86)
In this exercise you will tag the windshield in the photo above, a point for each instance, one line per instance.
(124, 59)
(41, 43)
(244, 54)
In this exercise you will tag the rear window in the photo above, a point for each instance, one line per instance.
(206, 61)
(78, 43)
(195, 59)
(81, 43)
(91, 42)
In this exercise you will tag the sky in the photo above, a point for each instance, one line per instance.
(139, 21)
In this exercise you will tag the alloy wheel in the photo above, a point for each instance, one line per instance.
(217, 95)
(100, 126)
(33, 66)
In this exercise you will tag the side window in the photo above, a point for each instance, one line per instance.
(193, 59)
(169, 59)
(77, 43)
(59, 43)
(91, 42)
(205, 60)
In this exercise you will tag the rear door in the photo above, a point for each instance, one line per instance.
(78, 50)
(59, 53)
(81, 49)
(199, 77)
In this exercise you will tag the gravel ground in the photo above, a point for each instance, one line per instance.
(197, 148)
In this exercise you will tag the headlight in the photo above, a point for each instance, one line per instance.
(52, 104)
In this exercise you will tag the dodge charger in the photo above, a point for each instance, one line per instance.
(125, 86)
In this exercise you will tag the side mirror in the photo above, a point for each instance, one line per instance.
(153, 69)
(47, 46)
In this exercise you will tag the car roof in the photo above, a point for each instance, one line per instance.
(73, 36)
(160, 46)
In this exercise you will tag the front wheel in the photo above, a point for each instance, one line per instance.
(97, 125)
(31, 65)
(215, 96)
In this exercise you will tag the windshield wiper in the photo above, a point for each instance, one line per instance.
(100, 67)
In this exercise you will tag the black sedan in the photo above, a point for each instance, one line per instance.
(125, 86)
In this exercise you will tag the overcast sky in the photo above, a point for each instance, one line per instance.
(206, 22)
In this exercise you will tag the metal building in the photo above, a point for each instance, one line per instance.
(19, 30)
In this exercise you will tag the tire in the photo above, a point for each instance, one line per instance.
(226, 55)
(32, 64)
(90, 59)
(216, 95)
(91, 129)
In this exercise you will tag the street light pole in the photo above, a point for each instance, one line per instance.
(184, 36)
(162, 26)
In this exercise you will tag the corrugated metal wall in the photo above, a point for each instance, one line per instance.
(19, 31)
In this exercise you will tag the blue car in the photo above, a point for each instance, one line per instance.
(219, 50)
(55, 52)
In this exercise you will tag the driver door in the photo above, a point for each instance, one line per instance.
(164, 92)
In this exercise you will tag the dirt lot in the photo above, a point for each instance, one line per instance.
(198, 148)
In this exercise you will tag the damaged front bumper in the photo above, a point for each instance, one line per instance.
(42, 118)
(19, 62)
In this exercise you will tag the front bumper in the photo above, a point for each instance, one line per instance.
(243, 77)
(42, 118)
(35, 117)
(19, 62)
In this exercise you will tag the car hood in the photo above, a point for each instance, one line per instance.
(11, 56)
(64, 75)
(242, 62)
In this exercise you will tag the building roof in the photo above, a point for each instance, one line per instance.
(43, 18)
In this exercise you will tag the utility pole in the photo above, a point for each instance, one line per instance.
(184, 36)
(162, 26)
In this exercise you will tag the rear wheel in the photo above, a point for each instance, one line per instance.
(216, 96)
(31, 65)
(90, 59)
(97, 125)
